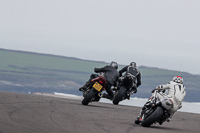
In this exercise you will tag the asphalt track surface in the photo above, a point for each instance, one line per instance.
(24, 113)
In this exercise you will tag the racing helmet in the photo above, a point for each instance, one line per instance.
(114, 64)
(178, 79)
(133, 64)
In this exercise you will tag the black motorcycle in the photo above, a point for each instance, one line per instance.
(155, 110)
(94, 91)
(124, 88)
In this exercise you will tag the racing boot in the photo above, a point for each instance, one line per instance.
(84, 88)
(168, 119)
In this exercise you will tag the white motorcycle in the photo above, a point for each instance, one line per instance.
(155, 110)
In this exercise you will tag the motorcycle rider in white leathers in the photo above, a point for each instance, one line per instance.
(174, 90)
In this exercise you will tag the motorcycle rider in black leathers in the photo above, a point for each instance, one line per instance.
(110, 73)
(132, 69)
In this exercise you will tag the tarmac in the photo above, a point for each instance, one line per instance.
(30, 113)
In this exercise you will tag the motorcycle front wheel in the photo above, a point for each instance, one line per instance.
(152, 117)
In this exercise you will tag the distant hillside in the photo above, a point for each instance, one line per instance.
(27, 72)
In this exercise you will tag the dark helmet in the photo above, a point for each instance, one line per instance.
(133, 64)
(114, 64)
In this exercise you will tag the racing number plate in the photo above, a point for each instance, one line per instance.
(97, 86)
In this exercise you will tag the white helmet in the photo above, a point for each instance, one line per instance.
(178, 79)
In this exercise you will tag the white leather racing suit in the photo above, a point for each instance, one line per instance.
(175, 92)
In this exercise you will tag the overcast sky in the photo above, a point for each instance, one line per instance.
(155, 33)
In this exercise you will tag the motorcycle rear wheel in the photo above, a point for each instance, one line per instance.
(119, 96)
(88, 97)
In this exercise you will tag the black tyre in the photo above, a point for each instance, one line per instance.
(119, 96)
(89, 96)
(153, 117)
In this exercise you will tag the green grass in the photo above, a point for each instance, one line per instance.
(43, 66)
(23, 60)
